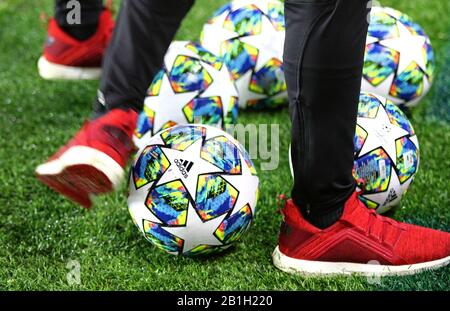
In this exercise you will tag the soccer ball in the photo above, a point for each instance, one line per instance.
(193, 190)
(399, 60)
(386, 152)
(194, 86)
(249, 35)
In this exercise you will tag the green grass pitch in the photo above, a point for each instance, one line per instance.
(40, 231)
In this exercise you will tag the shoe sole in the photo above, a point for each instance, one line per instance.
(80, 173)
(52, 71)
(324, 268)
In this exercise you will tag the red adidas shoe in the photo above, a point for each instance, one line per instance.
(361, 242)
(93, 161)
(68, 58)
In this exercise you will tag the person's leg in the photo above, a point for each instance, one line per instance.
(326, 229)
(90, 11)
(77, 38)
(323, 62)
(137, 50)
(93, 162)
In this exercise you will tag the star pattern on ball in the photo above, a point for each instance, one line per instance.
(217, 35)
(196, 232)
(394, 190)
(237, 4)
(172, 111)
(246, 194)
(243, 84)
(269, 43)
(385, 133)
(170, 57)
(370, 40)
(380, 89)
(221, 85)
(199, 166)
(142, 213)
(410, 47)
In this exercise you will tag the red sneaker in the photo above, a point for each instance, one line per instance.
(68, 58)
(361, 242)
(93, 161)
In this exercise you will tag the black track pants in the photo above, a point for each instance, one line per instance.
(323, 60)
(144, 31)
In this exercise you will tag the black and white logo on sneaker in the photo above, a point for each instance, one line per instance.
(184, 166)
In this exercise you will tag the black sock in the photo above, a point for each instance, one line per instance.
(324, 219)
(90, 11)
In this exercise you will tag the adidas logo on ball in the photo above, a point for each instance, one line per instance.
(391, 196)
(184, 166)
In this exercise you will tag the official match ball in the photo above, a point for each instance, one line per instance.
(386, 152)
(193, 190)
(194, 86)
(399, 60)
(249, 35)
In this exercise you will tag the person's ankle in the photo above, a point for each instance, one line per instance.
(80, 32)
(322, 219)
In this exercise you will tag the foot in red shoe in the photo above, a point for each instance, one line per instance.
(93, 161)
(361, 242)
(68, 58)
